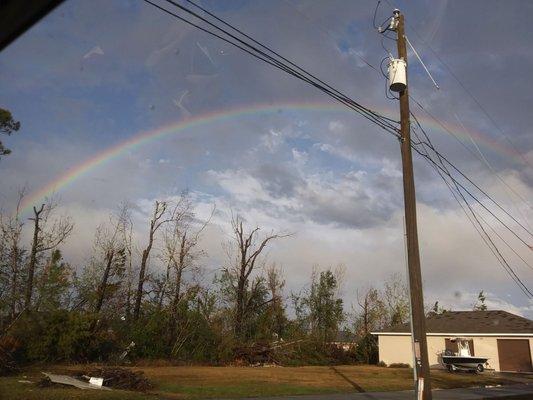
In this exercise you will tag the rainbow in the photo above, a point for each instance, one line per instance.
(78, 171)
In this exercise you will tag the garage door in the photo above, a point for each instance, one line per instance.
(514, 355)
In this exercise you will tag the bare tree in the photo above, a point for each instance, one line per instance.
(181, 243)
(396, 297)
(47, 235)
(244, 260)
(12, 253)
(275, 284)
(372, 312)
(155, 223)
(164, 212)
(126, 233)
(109, 243)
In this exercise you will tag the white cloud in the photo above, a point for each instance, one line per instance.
(300, 157)
(272, 140)
(336, 126)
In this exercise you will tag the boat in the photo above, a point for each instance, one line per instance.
(463, 358)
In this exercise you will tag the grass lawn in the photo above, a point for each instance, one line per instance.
(220, 382)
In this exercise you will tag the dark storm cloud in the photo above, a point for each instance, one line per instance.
(279, 181)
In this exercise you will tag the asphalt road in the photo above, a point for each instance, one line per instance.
(446, 394)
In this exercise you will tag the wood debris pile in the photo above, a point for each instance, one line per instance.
(257, 353)
(263, 353)
(118, 378)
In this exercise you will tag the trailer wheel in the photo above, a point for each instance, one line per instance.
(480, 368)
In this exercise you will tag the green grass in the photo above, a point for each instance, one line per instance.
(245, 389)
(11, 389)
(196, 382)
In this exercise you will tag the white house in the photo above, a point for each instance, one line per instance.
(506, 339)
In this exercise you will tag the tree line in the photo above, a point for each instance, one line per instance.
(158, 294)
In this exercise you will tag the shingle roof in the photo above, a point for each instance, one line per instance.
(472, 322)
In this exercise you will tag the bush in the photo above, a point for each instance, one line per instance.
(367, 350)
(151, 336)
(399, 365)
(62, 336)
(382, 364)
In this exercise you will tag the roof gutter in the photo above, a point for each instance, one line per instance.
(457, 334)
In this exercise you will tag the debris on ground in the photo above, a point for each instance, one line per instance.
(96, 381)
(263, 354)
(126, 351)
(117, 378)
(257, 353)
(67, 380)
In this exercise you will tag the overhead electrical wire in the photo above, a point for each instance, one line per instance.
(316, 24)
(454, 136)
(479, 227)
(475, 222)
(480, 106)
(440, 155)
(332, 92)
(268, 49)
(509, 189)
(384, 122)
(482, 233)
(468, 92)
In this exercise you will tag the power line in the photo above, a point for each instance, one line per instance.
(441, 156)
(485, 236)
(453, 135)
(332, 92)
(470, 94)
(489, 166)
(266, 48)
(484, 161)
(477, 224)
(432, 116)
(326, 31)
(300, 73)
(450, 132)
(379, 119)
(475, 185)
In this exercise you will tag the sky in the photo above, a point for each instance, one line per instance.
(120, 102)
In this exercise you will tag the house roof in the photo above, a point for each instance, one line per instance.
(496, 321)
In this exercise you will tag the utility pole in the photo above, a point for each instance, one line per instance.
(421, 367)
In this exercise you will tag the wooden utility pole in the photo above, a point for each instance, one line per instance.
(413, 256)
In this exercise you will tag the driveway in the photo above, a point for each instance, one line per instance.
(445, 394)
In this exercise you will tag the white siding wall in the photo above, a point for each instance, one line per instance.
(398, 349)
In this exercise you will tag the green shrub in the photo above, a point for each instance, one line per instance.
(366, 350)
(62, 336)
(399, 365)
